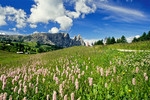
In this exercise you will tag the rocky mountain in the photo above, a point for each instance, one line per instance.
(59, 39)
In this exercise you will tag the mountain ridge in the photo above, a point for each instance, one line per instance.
(59, 39)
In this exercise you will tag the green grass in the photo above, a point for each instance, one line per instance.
(143, 45)
(12, 59)
(74, 60)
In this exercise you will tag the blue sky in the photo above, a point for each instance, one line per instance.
(92, 19)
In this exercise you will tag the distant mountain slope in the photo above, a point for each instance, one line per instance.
(59, 39)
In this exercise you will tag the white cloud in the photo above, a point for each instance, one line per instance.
(33, 25)
(51, 10)
(2, 33)
(13, 29)
(11, 14)
(46, 11)
(121, 13)
(129, 39)
(90, 41)
(65, 22)
(10, 32)
(81, 6)
(54, 30)
(2, 20)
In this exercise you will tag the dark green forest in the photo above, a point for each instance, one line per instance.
(111, 40)
(26, 47)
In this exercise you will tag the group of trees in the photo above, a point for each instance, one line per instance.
(112, 40)
(144, 37)
(23, 47)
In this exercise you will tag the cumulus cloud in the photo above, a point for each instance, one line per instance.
(33, 25)
(81, 6)
(46, 11)
(2, 20)
(65, 22)
(54, 30)
(2, 33)
(129, 39)
(13, 29)
(11, 14)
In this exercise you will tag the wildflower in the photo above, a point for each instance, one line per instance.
(146, 78)
(97, 69)
(119, 62)
(110, 63)
(36, 90)
(43, 80)
(61, 90)
(15, 89)
(105, 85)
(102, 73)
(48, 97)
(90, 81)
(19, 91)
(137, 69)
(79, 76)
(1, 96)
(107, 72)
(123, 73)
(129, 90)
(133, 81)
(65, 97)
(4, 85)
(114, 69)
(112, 80)
(25, 77)
(24, 98)
(86, 67)
(13, 81)
(29, 85)
(10, 97)
(77, 84)
(145, 74)
(72, 79)
(54, 95)
(78, 99)
(25, 89)
(72, 96)
(5, 96)
(57, 80)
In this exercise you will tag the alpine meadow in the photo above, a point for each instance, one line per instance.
(74, 50)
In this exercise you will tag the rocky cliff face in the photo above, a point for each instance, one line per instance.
(59, 39)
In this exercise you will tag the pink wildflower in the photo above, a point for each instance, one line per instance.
(54, 95)
(15, 89)
(90, 81)
(114, 69)
(133, 81)
(146, 78)
(65, 97)
(48, 97)
(105, 85)
(25, 89)
(72, 96)
(19, 91)
(137, 69)
(36, 90)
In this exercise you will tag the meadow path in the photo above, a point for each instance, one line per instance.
(125, 50)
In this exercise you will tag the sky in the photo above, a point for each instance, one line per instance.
(92, 19)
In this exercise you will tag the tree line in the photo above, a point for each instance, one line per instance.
(111, 40)
(144, 37)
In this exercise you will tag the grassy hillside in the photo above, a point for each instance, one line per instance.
(143, 45)
(83, 73)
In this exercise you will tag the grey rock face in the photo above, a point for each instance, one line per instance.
(59, 39)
